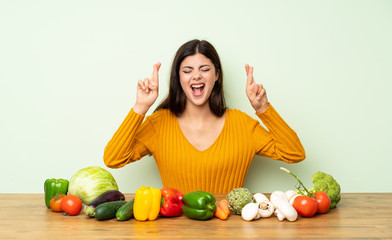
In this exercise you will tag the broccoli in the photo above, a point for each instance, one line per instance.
(326, 183)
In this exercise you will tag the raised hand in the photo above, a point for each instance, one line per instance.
(255, 92)
(147, 91)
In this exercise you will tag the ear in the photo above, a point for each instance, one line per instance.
(216, 76)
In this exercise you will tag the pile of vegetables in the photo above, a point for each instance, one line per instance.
(324, 195)
(86, 185)
(95, 191)
(57, 200)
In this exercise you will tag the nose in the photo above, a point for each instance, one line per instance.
(196, 75)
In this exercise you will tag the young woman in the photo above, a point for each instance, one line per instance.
(198, 143)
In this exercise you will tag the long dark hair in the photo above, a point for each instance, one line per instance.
(176, 99)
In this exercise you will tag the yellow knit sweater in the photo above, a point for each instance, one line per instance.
(219, 168)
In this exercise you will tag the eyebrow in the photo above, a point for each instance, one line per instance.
(205, 65)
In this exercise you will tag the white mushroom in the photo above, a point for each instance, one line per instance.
(259, 197)
(291, 195)
(279, 215)
(250, 212)
(266, 208)
(283, 209)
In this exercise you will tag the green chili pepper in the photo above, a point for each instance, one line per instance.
(53, 187)
(199, 205)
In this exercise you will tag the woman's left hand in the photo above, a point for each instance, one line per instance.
(255, 92)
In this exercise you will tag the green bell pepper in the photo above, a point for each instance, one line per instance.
(199, 205)
(53, 187)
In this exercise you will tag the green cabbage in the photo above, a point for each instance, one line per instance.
(88, 183)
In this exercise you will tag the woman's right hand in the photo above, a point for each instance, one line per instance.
(147, 91)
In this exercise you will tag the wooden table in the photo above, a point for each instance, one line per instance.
(369, 216)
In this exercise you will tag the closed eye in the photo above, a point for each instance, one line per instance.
(187, 69)
(203, 68)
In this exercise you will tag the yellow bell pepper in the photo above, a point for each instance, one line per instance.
(147, 203)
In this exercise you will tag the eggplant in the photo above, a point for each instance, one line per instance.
(109, 196)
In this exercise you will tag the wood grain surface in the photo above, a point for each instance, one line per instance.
(358, 216)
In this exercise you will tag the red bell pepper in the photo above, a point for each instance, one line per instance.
(171, 204)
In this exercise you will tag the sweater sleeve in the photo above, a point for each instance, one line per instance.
(280, 142)
(130, 142)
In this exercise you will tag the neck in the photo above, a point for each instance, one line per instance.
(196, 113)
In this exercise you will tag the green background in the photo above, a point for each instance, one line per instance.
(69, 71)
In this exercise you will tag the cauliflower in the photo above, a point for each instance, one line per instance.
(326, 183)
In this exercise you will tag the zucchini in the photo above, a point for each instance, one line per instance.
(109, 196)
(108, 210)
(125, 212)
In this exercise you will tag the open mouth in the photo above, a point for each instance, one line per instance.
(197, 89)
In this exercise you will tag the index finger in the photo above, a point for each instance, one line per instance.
(249, 73)
(155, 76)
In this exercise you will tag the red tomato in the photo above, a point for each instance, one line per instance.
(55, 202)
(71, 204)
(305, 206)
(323, 202)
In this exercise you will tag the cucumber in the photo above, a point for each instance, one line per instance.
(109, 196)
(108, 210)
(125, 212)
